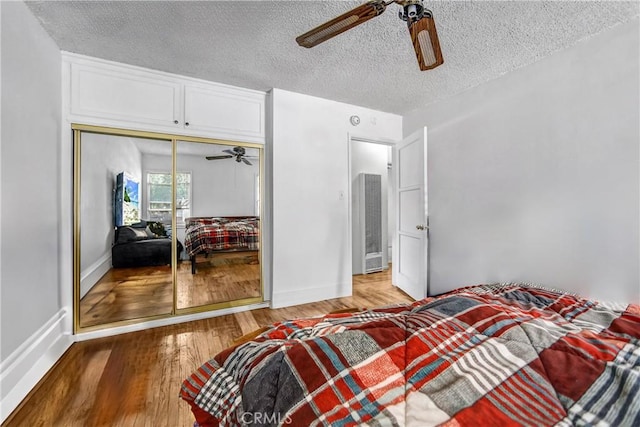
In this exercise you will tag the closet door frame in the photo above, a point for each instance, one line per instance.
(77, 131)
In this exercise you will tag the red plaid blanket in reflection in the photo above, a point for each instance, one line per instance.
(492, 355)
(205, 235)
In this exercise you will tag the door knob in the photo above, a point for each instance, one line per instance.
(421, 227)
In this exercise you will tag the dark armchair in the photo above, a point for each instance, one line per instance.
(137, 246)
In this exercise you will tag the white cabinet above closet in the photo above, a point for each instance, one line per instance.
(218, 110)
(106, 93)
(112, 94)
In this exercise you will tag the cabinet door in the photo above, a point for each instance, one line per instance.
(130, 96)
(225, 112)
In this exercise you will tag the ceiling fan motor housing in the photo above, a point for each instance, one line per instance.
(412, 10)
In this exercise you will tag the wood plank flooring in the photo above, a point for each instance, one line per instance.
(134, 379)
(128, 293)
(220, 277)
(132, 293)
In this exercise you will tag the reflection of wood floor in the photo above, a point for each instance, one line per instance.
(127, 293)
(133, 379)
(130, 293)
(223, 276)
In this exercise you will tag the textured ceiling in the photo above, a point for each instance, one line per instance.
(252, 44)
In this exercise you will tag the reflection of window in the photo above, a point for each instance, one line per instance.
(159, 200)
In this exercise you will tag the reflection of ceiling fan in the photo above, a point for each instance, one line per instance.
(422, 28)
(237, 152)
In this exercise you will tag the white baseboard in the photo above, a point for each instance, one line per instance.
(305, 296)
(22, 370)
(94, 272)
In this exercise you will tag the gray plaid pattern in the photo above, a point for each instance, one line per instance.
(220, 394)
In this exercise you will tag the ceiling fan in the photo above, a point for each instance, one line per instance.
(239, 153)
(420, 21)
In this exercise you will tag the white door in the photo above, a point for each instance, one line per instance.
(411, 240)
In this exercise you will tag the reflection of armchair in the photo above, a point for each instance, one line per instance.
(138, 246)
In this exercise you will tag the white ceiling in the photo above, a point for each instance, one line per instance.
(252, 43)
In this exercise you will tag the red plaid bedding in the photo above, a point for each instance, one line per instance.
(205, 235)
(486, 355)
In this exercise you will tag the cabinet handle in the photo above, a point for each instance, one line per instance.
(186, 124)
(175, 121)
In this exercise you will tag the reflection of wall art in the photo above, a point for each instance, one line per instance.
(127, 202)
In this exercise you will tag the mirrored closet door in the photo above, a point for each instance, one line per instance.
(218, 224)
(164, 225)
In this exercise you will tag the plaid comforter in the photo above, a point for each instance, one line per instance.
(485, 355)
(205, 235)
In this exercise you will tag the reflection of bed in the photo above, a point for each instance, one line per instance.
(490, 354)
(205, 235)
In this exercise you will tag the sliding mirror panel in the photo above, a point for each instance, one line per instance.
(123, 195)
(218, 187)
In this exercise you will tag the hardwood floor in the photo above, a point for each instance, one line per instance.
(134, 379)
(128, 293)
(131, 293)
(219, 277)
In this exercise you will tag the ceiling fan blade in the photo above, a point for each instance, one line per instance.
(233, 153)
(425, 42)
(342, 23)
(247, 162)
(225, 156)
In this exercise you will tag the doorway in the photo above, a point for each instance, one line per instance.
(372, 205)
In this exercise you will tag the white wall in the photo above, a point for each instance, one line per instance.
(371, 159)
(535, 176)
(221, 187)
(31, 120)
(218, 187)
(103, 158)
(30, 305)
(391, 205)
(310, 179)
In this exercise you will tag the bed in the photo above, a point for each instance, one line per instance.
(206, 235)
(503, 354)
